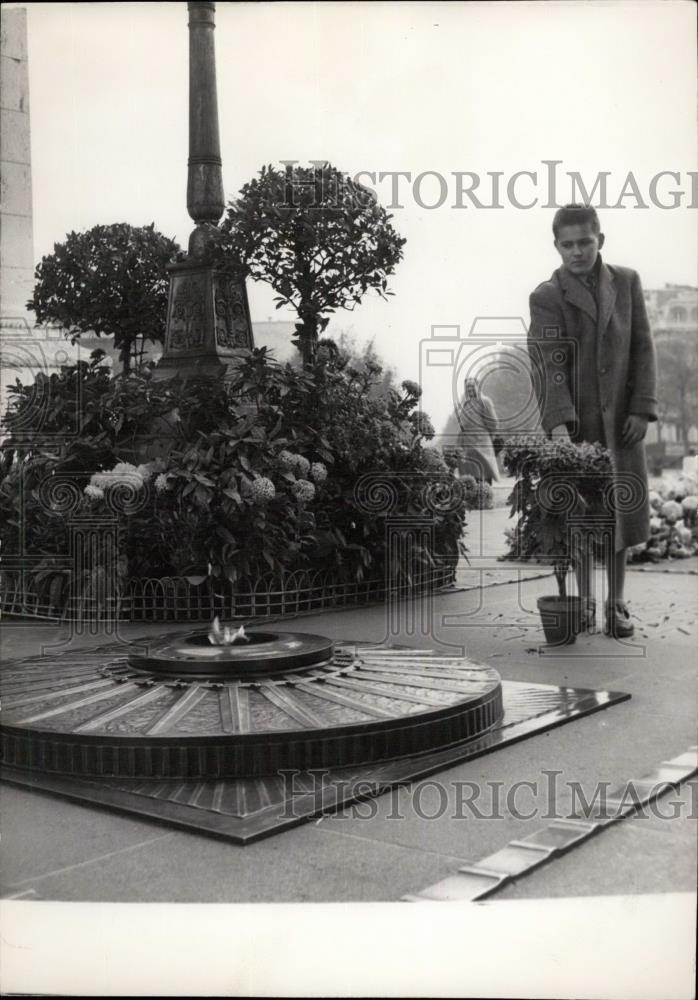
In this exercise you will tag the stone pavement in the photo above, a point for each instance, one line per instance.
(55, 850)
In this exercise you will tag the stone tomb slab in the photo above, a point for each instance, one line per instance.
(242, 810)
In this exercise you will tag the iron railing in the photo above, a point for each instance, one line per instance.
(177, 599)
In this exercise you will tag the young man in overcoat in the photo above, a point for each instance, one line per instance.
(595, 371)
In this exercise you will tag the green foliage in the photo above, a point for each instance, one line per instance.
(111, 281)
(364, 357)
(554, 480)
(478, 493)
(317, 237)
(249, 487)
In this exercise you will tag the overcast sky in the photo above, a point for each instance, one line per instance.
(377, 87)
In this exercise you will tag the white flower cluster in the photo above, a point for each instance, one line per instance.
(673, 523)
(123, 472)
(303, 491)
(677, 484)
(260, 490)
(135, 476)
(670, 511)
(292, 462)
(149, 469)
(318, 472)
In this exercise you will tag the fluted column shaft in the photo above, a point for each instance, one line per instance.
(205, 201)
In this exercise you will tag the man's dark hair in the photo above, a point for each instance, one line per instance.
(575, 215)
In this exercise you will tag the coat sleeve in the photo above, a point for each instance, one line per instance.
(643, 363)
(550, 362)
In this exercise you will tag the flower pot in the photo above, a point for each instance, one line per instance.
(561, 618)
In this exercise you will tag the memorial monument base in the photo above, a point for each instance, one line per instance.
(208, 322)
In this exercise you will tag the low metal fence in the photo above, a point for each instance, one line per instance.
(177, 599)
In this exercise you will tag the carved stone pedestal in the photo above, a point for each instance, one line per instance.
(208, 322)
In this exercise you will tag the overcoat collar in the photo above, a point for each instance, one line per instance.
(579, 295)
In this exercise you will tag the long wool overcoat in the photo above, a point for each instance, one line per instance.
(478, 425)
(593, 366)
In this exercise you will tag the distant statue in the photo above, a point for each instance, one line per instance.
(478, 427)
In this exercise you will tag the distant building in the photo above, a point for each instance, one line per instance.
(672, 309)
(276, 336)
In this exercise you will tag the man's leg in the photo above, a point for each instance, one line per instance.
(618, 622)
(583, 561)
(616, 577)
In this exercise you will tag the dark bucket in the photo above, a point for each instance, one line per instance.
(561, 618)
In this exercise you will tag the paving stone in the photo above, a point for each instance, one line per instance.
(299, 866)
(41, 833)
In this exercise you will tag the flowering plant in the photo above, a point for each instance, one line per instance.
(241, 490)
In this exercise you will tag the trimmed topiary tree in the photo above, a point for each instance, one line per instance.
(317, 237)
(111, 281)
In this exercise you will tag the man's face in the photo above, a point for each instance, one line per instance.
(579, 247)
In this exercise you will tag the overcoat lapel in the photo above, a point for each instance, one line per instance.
(607, 297)
(576, 293)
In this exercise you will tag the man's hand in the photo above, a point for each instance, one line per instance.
(560, 433)
(634, 430)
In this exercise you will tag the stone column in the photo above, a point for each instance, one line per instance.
(208, 318)
(16, 233)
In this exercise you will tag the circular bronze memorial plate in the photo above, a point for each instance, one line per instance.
(262, 655)
(112, 717)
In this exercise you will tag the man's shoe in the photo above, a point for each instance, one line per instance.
(618, 622)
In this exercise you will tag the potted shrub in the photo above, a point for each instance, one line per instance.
(561, 616)
(556, 481)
